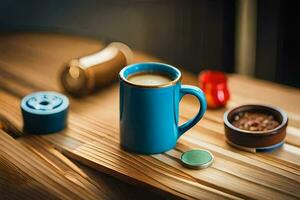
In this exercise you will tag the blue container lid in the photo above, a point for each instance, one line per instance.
(257, 149)
(44, 112)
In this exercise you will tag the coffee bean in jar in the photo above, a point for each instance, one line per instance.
(252, 121)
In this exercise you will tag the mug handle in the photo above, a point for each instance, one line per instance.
(198, 93)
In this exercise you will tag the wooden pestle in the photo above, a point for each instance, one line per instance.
(84, 75)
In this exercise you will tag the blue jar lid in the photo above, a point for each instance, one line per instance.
(257, 149)
(44, 112)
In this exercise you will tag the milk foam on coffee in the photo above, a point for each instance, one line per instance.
(151, 79)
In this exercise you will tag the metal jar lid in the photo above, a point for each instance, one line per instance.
(197, 159)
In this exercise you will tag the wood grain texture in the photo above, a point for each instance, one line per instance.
(31, 171)
(92, 136)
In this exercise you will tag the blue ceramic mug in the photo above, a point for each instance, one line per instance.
(149, 114)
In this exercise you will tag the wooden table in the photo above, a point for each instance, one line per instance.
(54, 166)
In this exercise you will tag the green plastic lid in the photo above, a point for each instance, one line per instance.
(197, 159)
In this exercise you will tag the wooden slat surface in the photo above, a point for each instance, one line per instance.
(33, 171)
(31, 62)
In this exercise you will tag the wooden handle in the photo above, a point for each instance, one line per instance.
(84, 75)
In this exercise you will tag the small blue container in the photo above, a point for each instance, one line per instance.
(44, 112)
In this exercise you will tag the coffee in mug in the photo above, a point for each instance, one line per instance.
(149, 78)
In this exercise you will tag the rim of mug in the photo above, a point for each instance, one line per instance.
(171, 83)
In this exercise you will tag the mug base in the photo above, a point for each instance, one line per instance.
(144, 152)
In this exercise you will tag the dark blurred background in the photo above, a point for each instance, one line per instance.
(260, 38)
